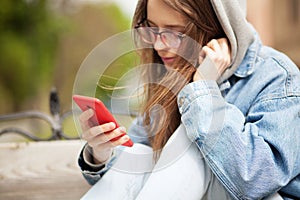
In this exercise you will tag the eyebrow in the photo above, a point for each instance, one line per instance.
(167, 25)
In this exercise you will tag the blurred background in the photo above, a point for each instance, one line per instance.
(44, 42)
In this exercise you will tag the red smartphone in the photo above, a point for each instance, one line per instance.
(102, 116)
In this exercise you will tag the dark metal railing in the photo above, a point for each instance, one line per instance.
(55, 120)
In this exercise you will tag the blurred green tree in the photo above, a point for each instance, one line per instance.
(44, 42)
(91, 24)
(29, 33)
(43, 46)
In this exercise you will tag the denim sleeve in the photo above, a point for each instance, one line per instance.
(253, 155)
(91, 173)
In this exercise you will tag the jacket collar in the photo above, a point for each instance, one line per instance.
(247, 66)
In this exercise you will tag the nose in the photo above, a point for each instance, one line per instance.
(158, 44)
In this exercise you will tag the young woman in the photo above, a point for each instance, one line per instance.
(238, 101)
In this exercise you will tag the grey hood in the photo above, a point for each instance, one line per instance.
(232, 16)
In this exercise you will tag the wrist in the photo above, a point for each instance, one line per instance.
(101, 156)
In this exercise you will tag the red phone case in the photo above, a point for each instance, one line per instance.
(102, 116)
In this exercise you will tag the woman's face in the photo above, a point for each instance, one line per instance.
(164, 18)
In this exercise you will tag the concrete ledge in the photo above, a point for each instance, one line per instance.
(41, 170)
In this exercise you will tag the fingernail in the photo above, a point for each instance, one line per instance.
(125, 138)
(112, 125)
(122, 129)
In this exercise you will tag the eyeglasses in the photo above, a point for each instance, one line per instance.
(171, 39)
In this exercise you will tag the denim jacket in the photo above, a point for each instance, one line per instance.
(247, 128)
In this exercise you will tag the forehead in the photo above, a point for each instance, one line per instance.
(162, 15)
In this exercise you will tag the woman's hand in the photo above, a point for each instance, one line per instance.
(98, 137)
(219, 58)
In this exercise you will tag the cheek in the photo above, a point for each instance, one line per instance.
(172, 52)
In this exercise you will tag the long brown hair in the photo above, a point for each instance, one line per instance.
(160, 110)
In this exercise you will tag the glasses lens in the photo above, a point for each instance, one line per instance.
(170, 39)
(149, 35)
(146, 34)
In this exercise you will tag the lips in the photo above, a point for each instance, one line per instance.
(168, 60)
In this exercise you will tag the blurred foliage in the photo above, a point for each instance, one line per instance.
(29, 34)
(91, 25)
(44, 45)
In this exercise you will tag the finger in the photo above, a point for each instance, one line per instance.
(219, 52)
(202, 53)
(201, 56)
(113, 135)
(209, 52)
(222, 49)
(216, 67)
(226, 50)
(223, 43)
(119, 142)
(107, 127)
(84, 119)
(215, 46)
(102, 139)
(109, 144)
(95, 131)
